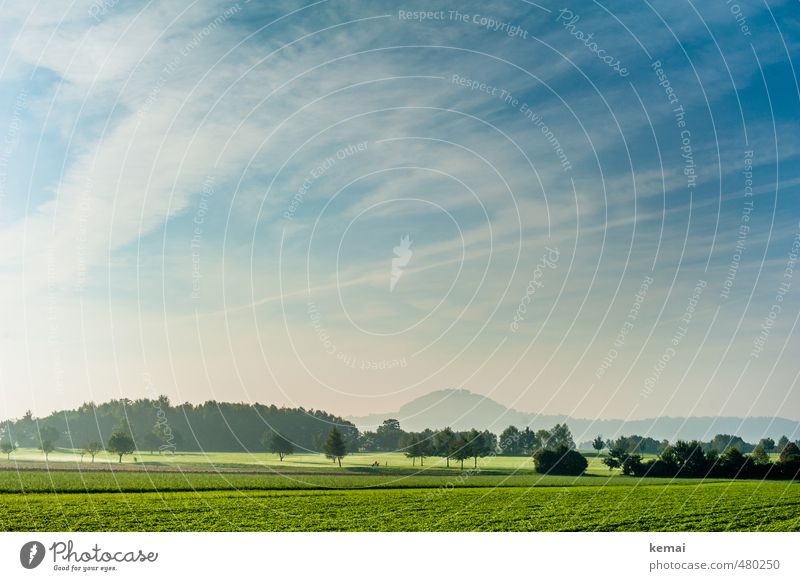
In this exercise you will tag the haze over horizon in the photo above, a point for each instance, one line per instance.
(346, 206)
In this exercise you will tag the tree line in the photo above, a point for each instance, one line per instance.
(719, 443)
(155, 425)
(695, 459)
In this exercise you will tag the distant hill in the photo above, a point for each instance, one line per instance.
(462, 410)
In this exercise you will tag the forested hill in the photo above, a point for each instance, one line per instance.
(210, 426)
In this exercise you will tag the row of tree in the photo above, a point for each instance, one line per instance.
(720, 443)
(696, 460)
(390, 437)
(555, 448)
(120, 442)
(458, 446)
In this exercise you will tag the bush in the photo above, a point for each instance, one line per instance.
(656, 469)
(562, 461)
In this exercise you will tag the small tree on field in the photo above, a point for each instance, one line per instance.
(7, 447)
(47, 446)
(92, 448)
(277, 444)
(121, 443)
(335, 448)
(598, 444)
(782, 443)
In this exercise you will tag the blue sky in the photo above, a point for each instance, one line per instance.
(204, 200)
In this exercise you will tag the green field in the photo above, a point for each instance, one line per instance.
(676, 507)
(262, 459)
(227, 492)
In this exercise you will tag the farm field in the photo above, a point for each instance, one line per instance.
(73, 481)
(750, 506)
(306, 492)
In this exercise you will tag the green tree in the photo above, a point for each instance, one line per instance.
(768, 444)
(510, 441)
(121, 442)
(791, 453)
(169, 439)
(722, 442)
(460, 449)
(277, 444)
(412, 445)
(7, 447)
(367, 442)
(782, 443)
(617, 455)
(529, 441)
(176, 443)
(92, 448)
(389, 434)
(732, 460)
(542, 440)
(598, 444)
(632, 465)
(335, 448)
(481, 444)
(151, 441)
(49, 433)
(759, 455)
(688, 459)
(443, 443)
(562, 461)
(47, 446)
(560, 436)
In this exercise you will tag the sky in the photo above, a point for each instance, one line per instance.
(585, 208)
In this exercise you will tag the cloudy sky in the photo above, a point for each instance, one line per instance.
(573, 208)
